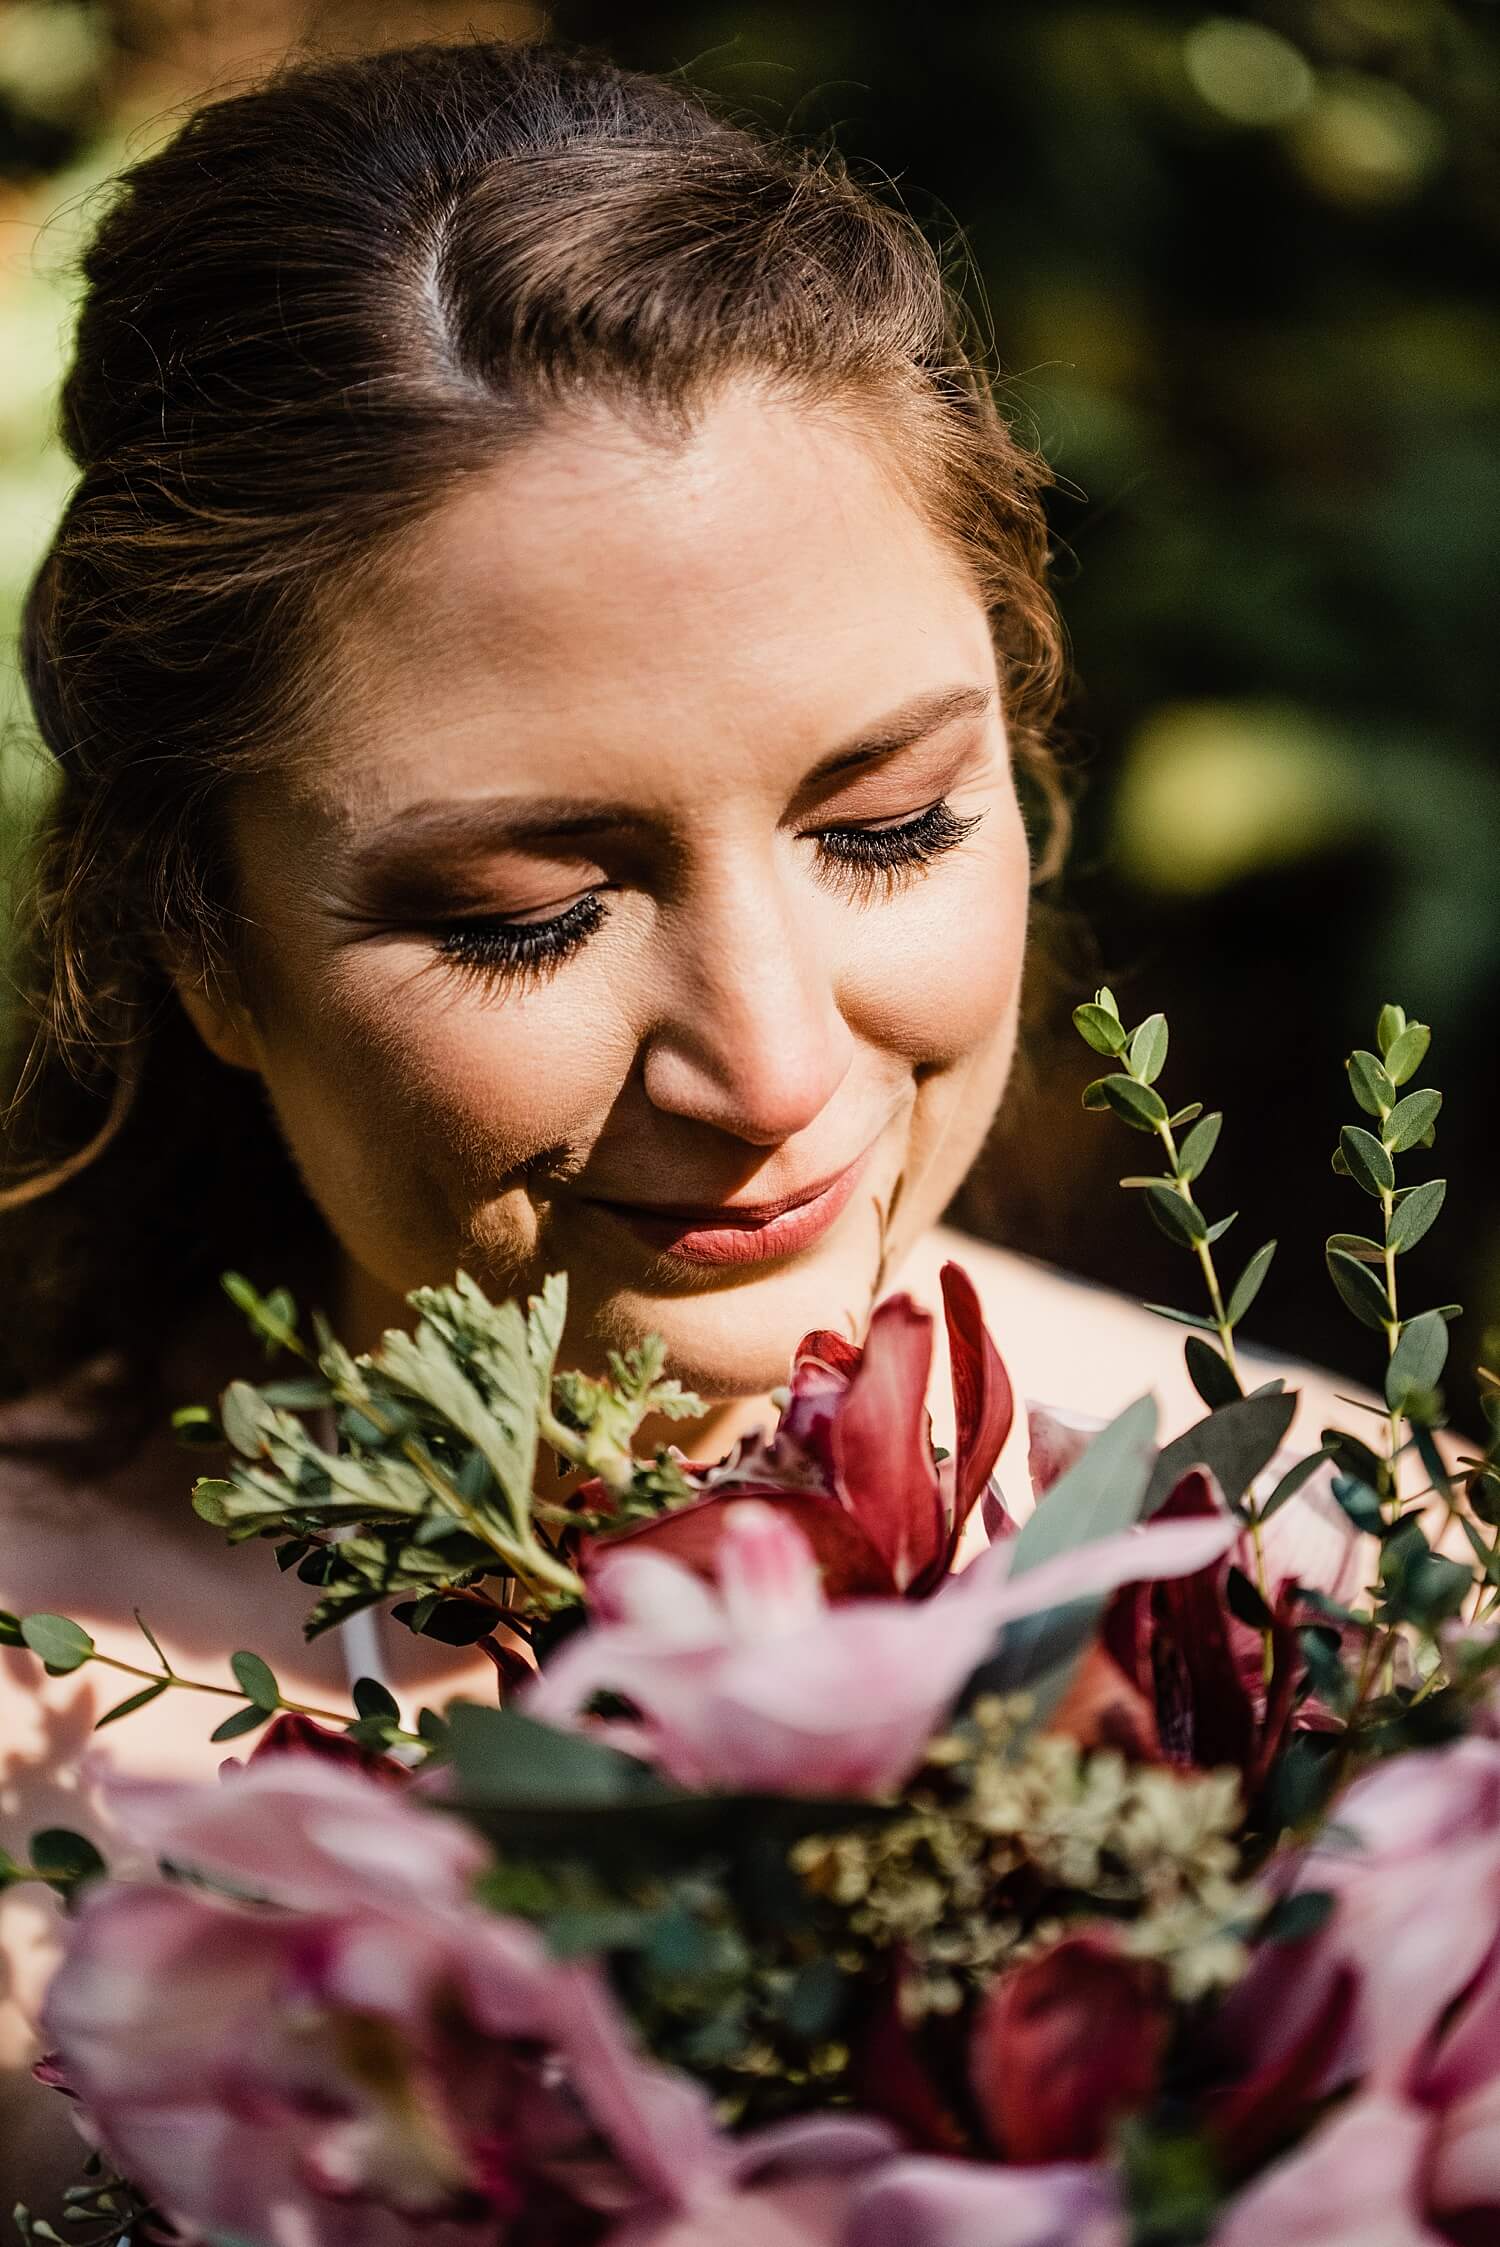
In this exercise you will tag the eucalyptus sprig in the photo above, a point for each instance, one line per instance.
(1130, 1093)
(1364, 1269)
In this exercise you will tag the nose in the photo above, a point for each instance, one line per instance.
(751, 1039)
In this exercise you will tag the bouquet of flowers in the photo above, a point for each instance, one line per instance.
(1137, 1883)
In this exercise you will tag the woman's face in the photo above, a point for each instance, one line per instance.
(661, 870)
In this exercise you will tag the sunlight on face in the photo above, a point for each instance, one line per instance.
(665, 855)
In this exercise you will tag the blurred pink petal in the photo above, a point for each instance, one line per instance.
(1356, 2182)
(356, 2051)
(786, 2186)
(931, 2203)
(764, 1703)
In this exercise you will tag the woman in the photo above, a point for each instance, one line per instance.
(550, 665)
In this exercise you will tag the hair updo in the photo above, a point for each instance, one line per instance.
(307, 317)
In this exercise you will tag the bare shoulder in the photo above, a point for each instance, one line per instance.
(1069, 1341)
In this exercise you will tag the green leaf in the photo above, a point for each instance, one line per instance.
(1209, 1373)
(1177, 1215)
(11, 1633)
(1217, 1232)
(1245, 1602)
(1415, 1213)
(1234, 1443)
(1148, 1049)
(1099, 1029)
(62, 1645)
(1102, 1492)
(1369, 1164)
(1417, 1361)
(509, 1761)
(1407, 1052)
(1361, 1290)
(1293, 1918)
(64, 1858)
(1193, 1155)
(372, 1699)
(1093, 1096)
(1105, 997)
(196, 1428)
(1181, 1318)
(1390, 1026)
(128, 1707)
(242, 1721)
(1361, 1504)
(1136, 1104)
(256, 1680)
(151, 1639)
(1410, 1120)
(1187, 1115)
(1370, 1085)
(1358, 1245)
(1248, 1285)
(1289, 1485)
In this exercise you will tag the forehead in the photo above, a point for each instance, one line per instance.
(622, 610)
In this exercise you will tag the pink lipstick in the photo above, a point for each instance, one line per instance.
(749, 1233)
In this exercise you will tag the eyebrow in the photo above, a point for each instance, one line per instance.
(458, 823)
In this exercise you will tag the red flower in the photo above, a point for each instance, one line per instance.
(851, 1460)
(1065, 2045)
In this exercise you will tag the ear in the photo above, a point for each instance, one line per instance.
(216, 1011)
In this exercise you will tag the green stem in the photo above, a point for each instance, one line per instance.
(224, 1692)
(1392, 1337)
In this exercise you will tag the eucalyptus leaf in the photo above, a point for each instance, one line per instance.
(1410, 1120)
(243, 1721)
(372, 1699)
(63, 1645)
(1289, 1485)
(1369, 1163)
(1193, 1155)
(1216, 1232)
(256, 1680)
(1100, 1029)
(1358, 1245)
(1235, 1443)
(1407, 1052)
(1177, 1215)
(1186, 1115)
(1209, 1373)
(1181, 1318)
(1369, 1083)
(1139, 1105)
(1417, 1362)
(1248, 1285)
(1415, 1214)
(1361, 1290)
(1390, 1026)
(134, 1701)
(1148, 1048)
(1101, 1493)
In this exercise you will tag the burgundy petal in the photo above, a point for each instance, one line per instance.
(882, 1444)
(852, 1568)
(983, 1401)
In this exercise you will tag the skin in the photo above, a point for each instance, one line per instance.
(689, 632)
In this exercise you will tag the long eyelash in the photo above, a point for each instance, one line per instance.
(867, 858)
(878, 858)
(520, 949)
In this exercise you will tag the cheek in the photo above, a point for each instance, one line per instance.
(937, 974)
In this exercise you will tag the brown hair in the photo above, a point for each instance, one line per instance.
(306, 317)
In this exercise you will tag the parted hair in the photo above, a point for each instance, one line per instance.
(305, 318)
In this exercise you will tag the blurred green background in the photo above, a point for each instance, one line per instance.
(1240, 267)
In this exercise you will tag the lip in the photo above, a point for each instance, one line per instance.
(741, 1233)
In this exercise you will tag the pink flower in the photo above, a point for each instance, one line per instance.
(933, 2203)
(1409, 1961)
(851, 1459)
(361, 2056)
(755, 1684)
(787, 2186)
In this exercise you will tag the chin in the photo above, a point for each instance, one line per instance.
(739, 1341)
